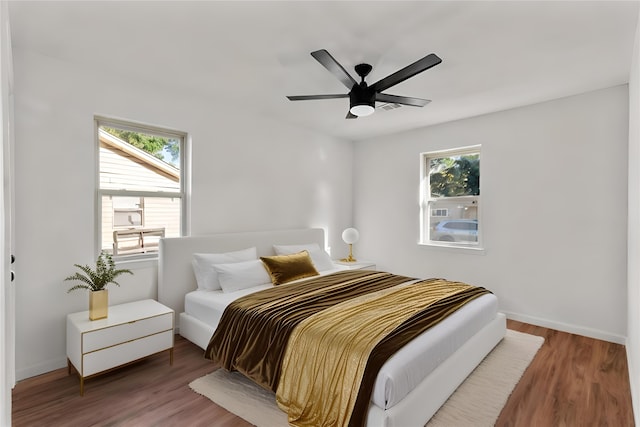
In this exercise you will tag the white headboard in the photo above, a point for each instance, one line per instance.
(175, 273)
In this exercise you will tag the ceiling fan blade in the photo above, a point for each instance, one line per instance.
(351, 116)
(310, 97)
(404, 100)
(419, 66)
(328, 61)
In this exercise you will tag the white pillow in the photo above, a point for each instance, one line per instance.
(242, 275)
(321, 259)
(206, 275)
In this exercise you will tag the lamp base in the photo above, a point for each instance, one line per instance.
(350, 258)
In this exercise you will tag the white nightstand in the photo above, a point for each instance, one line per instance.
(357, 265)
(131, 332)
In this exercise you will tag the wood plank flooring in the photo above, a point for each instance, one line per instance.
(573, 381)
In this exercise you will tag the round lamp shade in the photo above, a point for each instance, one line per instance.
(350, 235)
(362, 110)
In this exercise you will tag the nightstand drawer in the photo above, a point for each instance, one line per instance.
(117, 334)
(107, 358)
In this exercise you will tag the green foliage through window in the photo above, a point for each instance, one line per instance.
(455, 176)
(153, 145)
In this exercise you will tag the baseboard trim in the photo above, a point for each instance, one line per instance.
(43, 368)
(564, 327)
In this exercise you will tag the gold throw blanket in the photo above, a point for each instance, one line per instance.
(253, 332)
(327, 354)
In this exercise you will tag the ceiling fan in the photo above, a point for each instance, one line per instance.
(362, 97)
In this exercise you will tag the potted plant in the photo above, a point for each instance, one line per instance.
(96, 282)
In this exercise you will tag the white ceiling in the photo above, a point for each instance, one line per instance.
(496, 55)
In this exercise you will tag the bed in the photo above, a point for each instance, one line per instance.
(410, 386)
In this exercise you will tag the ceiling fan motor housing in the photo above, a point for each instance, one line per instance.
(361, 94)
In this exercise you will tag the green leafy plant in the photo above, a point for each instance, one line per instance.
(98, 279)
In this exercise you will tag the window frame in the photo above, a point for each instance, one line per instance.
(425, 199)
(183, 193)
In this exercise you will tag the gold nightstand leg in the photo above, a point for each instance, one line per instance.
(171, 356)
(81, 386)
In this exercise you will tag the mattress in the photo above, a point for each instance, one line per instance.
(406, 368)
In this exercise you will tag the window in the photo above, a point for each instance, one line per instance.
(141, 190)
(450, 197)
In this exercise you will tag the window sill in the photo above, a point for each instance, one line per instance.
(474, 250)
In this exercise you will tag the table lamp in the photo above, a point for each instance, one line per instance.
(350, 236)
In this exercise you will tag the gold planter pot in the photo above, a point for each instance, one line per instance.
(98, 304)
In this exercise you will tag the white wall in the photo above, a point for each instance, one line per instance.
(554, 209)
(633, 269)
(249, 173)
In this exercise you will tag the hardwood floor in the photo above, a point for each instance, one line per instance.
(147, 393)
(573, 381)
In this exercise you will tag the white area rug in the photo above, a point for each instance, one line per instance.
(477, 402)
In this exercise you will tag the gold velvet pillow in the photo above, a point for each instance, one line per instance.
(286, 268)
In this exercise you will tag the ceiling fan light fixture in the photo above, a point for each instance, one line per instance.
(362, 100)
(362, 110)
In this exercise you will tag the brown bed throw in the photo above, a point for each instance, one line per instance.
(254, 331)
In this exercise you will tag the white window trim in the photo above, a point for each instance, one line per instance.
(476, 247)
(185, 181)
